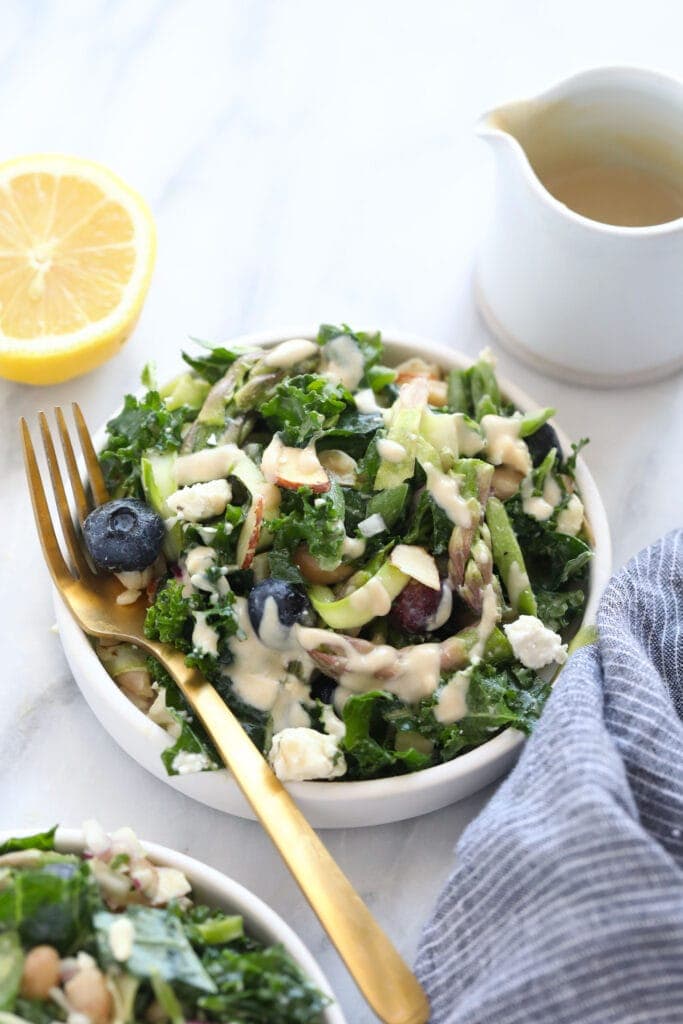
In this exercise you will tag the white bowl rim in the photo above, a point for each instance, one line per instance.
(463, 765)
(255, 911)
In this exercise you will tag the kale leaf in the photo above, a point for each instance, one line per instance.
(160, 947)
(170, 619)
(144, 424)
(430, 526)
(369, 343)
(212, 366)
(497, 697)
(551, 558)
(569, 465)
(305, 406)
(11, 968)
(193, 737)
(558, 609)
(369, 740)
(226, 537)
(317, 519)
(50, 903)
(39, 841)
(256, 984)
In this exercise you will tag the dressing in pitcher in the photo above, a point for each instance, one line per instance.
(580, 271)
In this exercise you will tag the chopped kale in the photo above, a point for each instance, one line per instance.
(212, 366)
(143, 425)
(430, 526)
(304, 407)
(369, 741)
(317, 519)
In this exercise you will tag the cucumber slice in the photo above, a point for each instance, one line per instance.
(440, 431)
(159, 482)
(404, 430)
(185, 390)
(361, 606)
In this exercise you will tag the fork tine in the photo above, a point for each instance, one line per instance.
(48, 538)
(68, 530)
(99, 488)
(80, 497)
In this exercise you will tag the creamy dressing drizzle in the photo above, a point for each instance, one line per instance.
(208, 464)
(570, 519)
(290, 352)
(445, 491)
(517, 582)
(366, 402)
(443, 612)
(353, 547)
(470, 442)
(451, 705)
(411, 672)
(204, 636)
(372, 597)
(504, 446)
(490, 613)
(259, 674)
(342, 361)
(272, 632)
(540, 507)
(390, 451)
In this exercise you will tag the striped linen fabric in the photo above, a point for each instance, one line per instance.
(566, 902)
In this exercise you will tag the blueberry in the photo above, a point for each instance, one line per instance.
(540, 443)
(291, 603)
(322, 689)
(123, 535)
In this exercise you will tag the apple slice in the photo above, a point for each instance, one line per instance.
(293, 467)
(416, 562)
(250, 533)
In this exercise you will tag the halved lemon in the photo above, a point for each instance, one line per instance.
(77, 250)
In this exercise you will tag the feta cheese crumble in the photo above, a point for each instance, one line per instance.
(534, 644)
(570, 519)
(200, 501)
(186, 763)
(300, 754)
(373, 525)
(121, 938)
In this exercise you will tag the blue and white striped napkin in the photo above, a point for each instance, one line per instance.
(566, 902)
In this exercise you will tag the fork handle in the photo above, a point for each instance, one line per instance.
(383, 977)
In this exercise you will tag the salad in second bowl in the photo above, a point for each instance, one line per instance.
(111, 938)
(378, 567)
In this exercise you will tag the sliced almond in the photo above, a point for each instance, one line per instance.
(340, 465)
(293, 467)
(416, 562)
(416, 367)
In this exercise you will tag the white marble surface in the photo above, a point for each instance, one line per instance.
(304, 161)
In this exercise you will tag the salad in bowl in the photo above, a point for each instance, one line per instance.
(98, 928)
(377, 561)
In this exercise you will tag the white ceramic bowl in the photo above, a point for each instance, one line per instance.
(216, 890)
(333, 804)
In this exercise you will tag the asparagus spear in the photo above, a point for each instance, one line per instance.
(508, 558)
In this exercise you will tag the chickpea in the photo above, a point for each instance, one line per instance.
(505, 482)
(438, 392)
(41, 972)
(312, 572)
(87, 993)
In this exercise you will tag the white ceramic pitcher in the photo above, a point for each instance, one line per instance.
(587, 301)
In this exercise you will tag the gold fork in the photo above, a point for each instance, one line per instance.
(382, 976)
